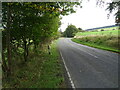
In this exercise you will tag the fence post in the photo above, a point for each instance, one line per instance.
(49, 49)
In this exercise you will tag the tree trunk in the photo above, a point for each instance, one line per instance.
(4, 65)
(25, 50)
(35, 47)
(8, 40)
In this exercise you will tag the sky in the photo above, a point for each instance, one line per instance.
(89, 16)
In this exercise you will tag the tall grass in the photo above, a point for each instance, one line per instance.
(41, 71)
(108, 40)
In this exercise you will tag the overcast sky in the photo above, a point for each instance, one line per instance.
(89, 16)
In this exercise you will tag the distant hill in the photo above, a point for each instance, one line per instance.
(101, 27)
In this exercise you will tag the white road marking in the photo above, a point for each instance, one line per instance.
(92, 55)
(80, 70)
(84, 51)
(72, 84)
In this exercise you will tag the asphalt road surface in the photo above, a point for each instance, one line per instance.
(89, 67)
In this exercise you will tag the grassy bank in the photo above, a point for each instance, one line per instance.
(41, 71)
(110, 33)
(107, 40)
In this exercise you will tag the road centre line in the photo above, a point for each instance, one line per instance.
(92, 55)
(72, 84)
(84, 51)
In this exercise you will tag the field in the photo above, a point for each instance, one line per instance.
(110, 32)
(111, 28)
(108, 40)
(105, 29)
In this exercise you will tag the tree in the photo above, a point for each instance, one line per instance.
(81, 30)
(70, 31)
(29, 23)
(114, 5)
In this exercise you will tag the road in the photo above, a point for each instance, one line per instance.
(89, 67)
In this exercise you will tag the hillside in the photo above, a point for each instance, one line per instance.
(110, 27)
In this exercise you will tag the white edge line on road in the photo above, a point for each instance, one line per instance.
(72, 84)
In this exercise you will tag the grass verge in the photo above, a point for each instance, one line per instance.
(95, 45)
(41, 71)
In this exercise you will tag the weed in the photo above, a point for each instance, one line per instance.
(107, 42)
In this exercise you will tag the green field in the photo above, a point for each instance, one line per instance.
(107, 40)
(110, 32)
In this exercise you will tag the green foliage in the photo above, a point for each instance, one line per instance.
(70, 31)
(29, 24)
(115, 6)
(42, 71)
(81, 30)
(36, 22)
